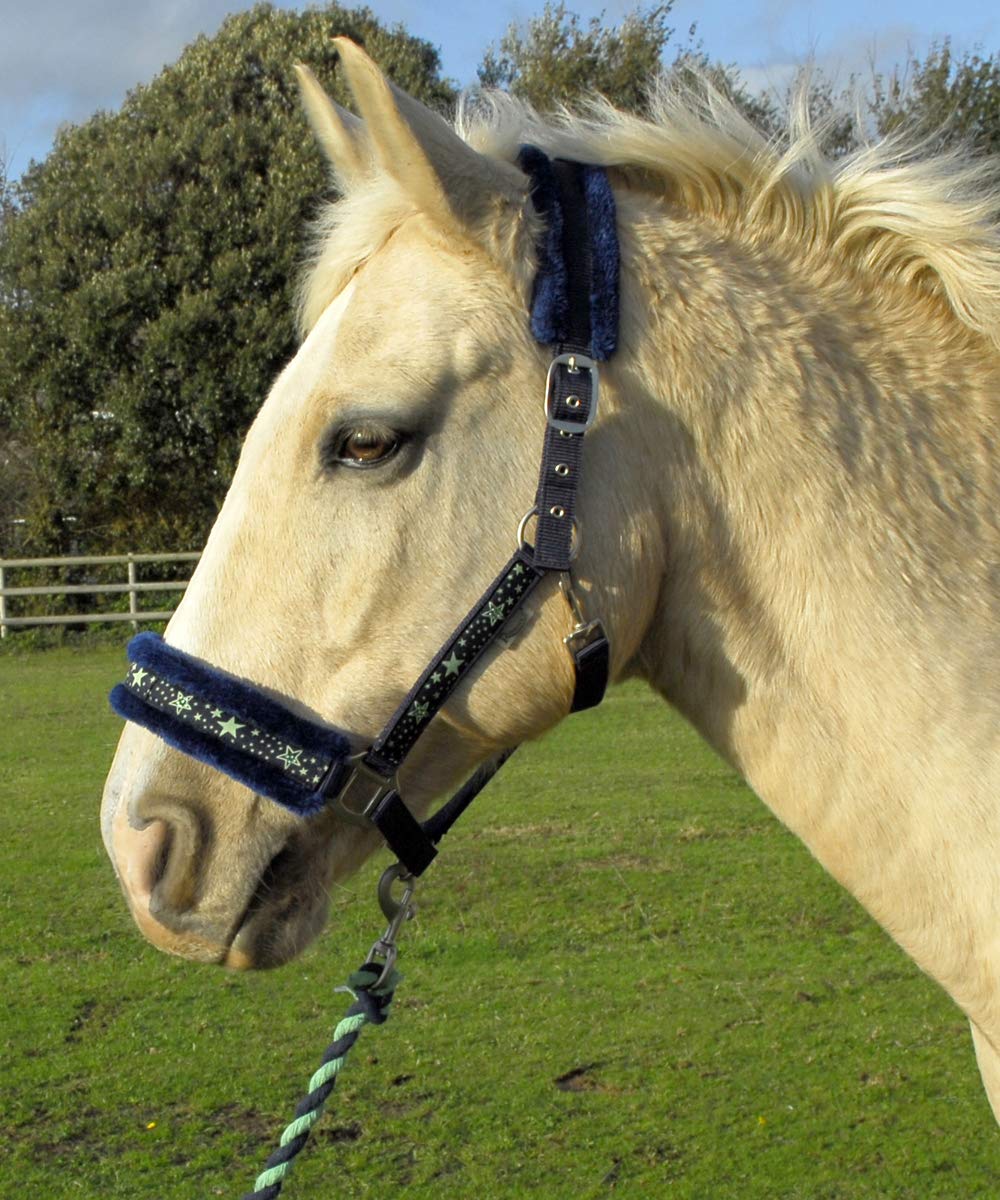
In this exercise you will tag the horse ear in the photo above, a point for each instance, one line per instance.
(340, 134)
(444, 176)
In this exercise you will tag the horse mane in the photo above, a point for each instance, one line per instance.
(890, 211)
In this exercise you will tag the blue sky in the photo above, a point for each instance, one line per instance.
(60, 60)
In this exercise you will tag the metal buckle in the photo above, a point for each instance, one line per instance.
(574, 363)
(587, 633)
(367, 787)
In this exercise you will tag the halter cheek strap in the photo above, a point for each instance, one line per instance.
(234, 726)
(575, 309)
(306, 765)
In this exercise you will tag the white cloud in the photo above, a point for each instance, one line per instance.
(62, 60)
(88, 51)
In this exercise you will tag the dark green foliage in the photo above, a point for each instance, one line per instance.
(951, 100)
(555, 59)
(146, 278)
(15, 460)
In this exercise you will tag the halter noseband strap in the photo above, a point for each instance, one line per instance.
(305, 765)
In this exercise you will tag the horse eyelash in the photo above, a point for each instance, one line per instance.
(331, 457)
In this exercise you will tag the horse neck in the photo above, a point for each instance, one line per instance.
(819, 542)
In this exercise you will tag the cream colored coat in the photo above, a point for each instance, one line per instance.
(789, 512)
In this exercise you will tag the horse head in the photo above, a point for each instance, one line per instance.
(378, 491)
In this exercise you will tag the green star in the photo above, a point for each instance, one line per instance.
(229, 727)
(216, 712)
(494, 614)
(436, 677)
(291, 758)
(418, 711)
(181, 702)
(138, 675)
(452, 665)
(518, 570)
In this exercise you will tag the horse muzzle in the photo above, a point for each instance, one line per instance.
(247, 892)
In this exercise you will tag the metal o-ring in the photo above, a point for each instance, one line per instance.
(561, 469)
(557, 511)
(522, 526)
(573, 401)
(522, 529)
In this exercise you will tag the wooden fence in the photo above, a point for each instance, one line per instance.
(130, 585)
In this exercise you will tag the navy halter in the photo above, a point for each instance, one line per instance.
(306, 765)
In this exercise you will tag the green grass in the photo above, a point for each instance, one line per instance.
(624, 977)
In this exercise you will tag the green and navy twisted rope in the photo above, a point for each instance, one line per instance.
(370, 1007)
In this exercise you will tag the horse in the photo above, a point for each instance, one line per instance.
(788, 523)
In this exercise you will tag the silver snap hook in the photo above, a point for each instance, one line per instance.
(397, 913)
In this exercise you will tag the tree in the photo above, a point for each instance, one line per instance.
(15, 463)
(949, 100)
(146, 277)
(554, 59)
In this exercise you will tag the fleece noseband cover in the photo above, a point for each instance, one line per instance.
(229, 723)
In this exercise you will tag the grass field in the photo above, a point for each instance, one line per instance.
(625, 977)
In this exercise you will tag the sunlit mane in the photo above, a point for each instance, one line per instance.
(926, 222)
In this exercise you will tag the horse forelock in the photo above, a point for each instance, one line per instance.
(887, 213)
(346, 234)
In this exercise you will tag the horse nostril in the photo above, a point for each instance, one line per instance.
(139, 854)
(175, 890)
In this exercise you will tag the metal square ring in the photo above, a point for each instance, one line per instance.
(364, 785)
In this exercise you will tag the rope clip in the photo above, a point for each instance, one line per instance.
(396, 912)
(584, 631)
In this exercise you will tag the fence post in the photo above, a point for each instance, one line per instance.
(3, 605)
(132, 605)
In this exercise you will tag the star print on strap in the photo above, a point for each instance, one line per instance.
(309, 769)
(230, 724)
(446, 671)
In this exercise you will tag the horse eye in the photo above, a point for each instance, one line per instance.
(364, 446)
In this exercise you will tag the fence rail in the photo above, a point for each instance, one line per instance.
(132, 587)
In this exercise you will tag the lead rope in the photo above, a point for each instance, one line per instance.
(372, 987)
(370, 1007)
